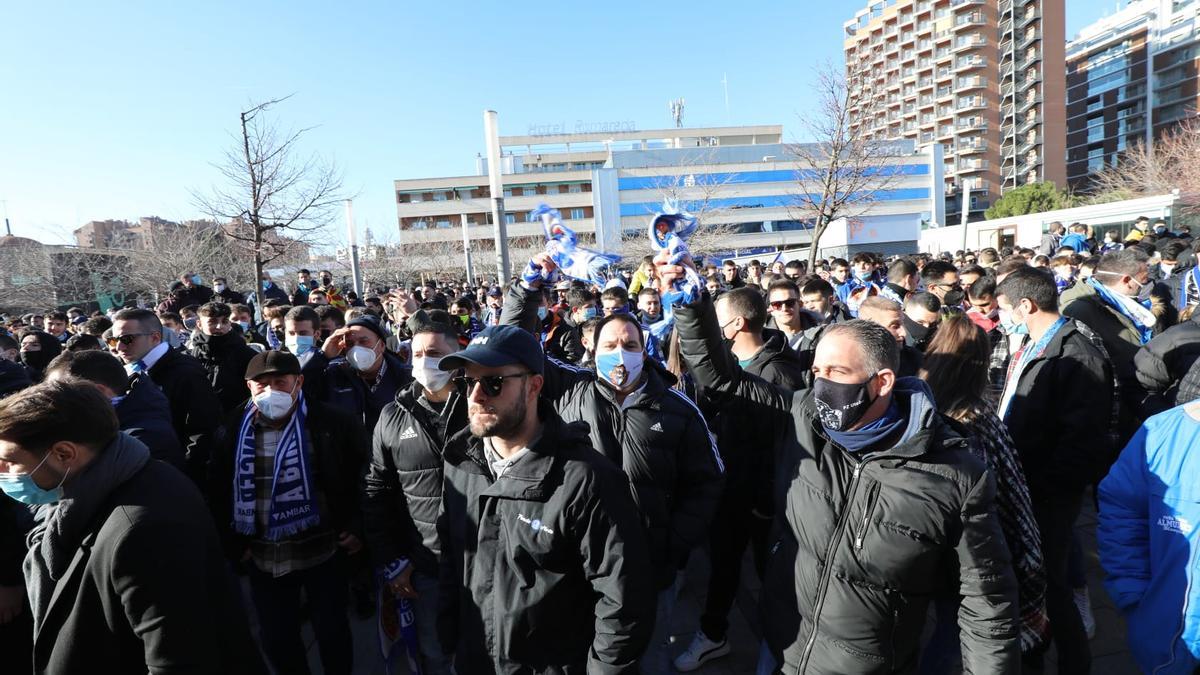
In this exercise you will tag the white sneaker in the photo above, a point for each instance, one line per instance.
(701, 651)
(1083, 602)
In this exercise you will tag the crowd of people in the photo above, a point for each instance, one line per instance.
(902, 445)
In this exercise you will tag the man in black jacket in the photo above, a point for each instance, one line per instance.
(142, 410)
(545, 565)
(16, 627)
(354, 371)
(565, 341)
(285, 493)
(223, 353)
(13, 375)
(651, 430)
(137, 339)
(1162, 363)
(879, 508)
(125, 574)
(404, 481)
(1062, 452)
(888, 313)
(745, 512)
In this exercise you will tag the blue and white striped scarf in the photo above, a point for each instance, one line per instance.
(293, 502)
(1142, 319)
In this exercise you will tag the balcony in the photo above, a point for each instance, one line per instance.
(1030, 59)
(968, 43)
(1029, 17)
(973, 19)
(1028, 102)
(970, 103)
(973, 124)
(1006, 90)
(971, 148)
(1006, 111)
(973, 82)
(969, 63)
(972, 166)
(943, 93)
(1029, 39)
(956, 5)
(1029, 123)
(1026, 144)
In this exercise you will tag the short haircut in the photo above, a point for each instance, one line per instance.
(276, 312)
(1172, 249)
(240, 308)
(984, 287)
(838, 262)
(303, 271)
(863, 257)
(901, 269)
(52, 412)
(987, 256)
(1062, 259)
(1010, 265)
(82, 342)
(794, 265)
(785, 285)
(303, 313)
(57, 316)
(94, 366)
(616, 293)
(578, 297)
(878, 303)
(748, 304)
(648, 290)
(936, 270)
(434, 321)
(817, 285)
(1029, 283)
(879, 348)
(215, 310)
(1126, 262)
(928, 301)
(972, 269)
(336, 315)
(617, 316)
(97, 325)
(145, 319)
(729, 263)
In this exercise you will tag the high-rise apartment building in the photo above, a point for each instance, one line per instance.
(983, 79)
(1130, 77)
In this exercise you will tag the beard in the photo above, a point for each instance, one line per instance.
(505, 422)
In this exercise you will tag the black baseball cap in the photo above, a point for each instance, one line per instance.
(496, 346)
(272, 362)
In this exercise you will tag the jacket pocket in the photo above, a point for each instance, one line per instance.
(864, 520)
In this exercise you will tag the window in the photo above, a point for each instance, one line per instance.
(577, 214)
(575, 187)
(510, 218)
(508, 192)
(1095, 160)
(443, 224)
(415, 197)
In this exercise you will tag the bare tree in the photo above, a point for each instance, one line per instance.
(1144, 170)
(274, 199)
(843, 169)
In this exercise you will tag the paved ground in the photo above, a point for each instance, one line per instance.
(1109, 652)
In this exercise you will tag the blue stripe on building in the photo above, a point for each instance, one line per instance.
(763, 202)
(742, 177)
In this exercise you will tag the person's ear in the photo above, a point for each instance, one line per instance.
(65, 453)
(536, 382)
(887, 382)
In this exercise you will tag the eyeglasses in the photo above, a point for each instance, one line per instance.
(781, 304)
(126, 339)
(492, 384)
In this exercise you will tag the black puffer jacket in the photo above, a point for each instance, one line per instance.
(545, 570)
(1164, 361)
(13, 377)
(658, 437)
(404, 482)
(864, 543)
(225, 357)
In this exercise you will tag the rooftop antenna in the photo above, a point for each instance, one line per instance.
(7, 227)
(725, 84)
(676, 107)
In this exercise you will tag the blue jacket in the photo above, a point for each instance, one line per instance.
(1147, 538)
(1077, 242)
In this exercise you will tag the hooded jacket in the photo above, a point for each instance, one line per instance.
(404, 481)
(36, 361)
(145, 414)
(13, 377)
(1163, 362)
(127, 576)
(225, 357)
(658, 437)
(545, 570)
(1147, 539)
(865, 542)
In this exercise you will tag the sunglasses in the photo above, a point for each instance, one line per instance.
(492, 384)
(781, 304)
(126, 339)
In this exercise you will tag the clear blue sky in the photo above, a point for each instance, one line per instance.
(117, 110)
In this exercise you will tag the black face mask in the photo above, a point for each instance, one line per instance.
(918, 335)
(840, 405)
(37, 360)
(326, 281)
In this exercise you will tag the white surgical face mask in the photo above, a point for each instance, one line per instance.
(273, 404)
(426, 372)
(361, 358)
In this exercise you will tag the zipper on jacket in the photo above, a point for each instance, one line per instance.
(868, 511)
(823, 584)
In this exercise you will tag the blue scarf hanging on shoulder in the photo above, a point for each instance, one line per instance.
(1145, 331)
(293, 503)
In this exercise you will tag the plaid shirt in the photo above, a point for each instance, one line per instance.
(301, 551)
